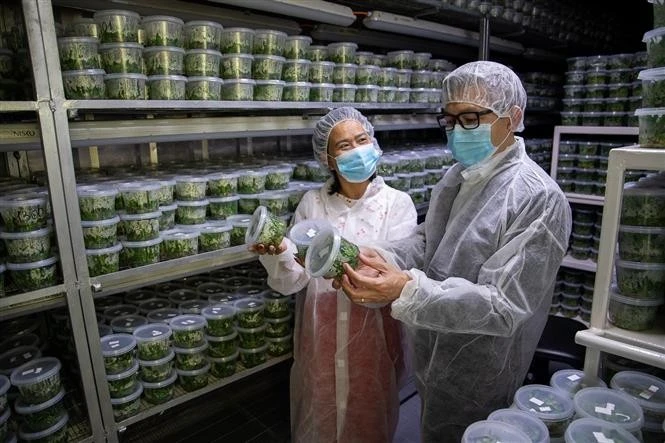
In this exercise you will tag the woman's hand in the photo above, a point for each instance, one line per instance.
(263, 249)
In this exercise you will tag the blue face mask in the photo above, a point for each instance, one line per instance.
(358, 164)
(471, 146)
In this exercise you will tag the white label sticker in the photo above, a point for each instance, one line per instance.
(38, 370)
(188, 322)
(155, 333)
(536, 401)
(311, 233)
(114, 342)
(647, 394)
(573, 377)
(653, 388)
(26, 356)
(115, 345)
(28, 371)
(545, 409)
(600, 438)
(604, 411)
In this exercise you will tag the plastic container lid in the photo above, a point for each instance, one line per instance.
(32, 436)
(527, 399)
(125, 374)
(95, 223)
(640, 266)
(642, 229)
(215, 228)
(646, 112)
(218, 312)
(648, 390)
(33, 265)
(117, 344)
(35, 371)
(490, 430)
(17, 357)
(249, 305)
(252, 330)
(593, 429)
(229, 358)
(256, 224)
(322, 252)
(652, 74)
(127, 323)
(223, 338)
(187, 322)
(161, 384)
(643, 302)
(285, 319)
(181, 295)
(164, 48)
(141, 244)
(609, 405)
(107, 12)
(527, 423)
(243, 81)
(194, 372)
(258, 350)
(193, 307)
(170, 356)
(180, 234)
(83, 72)
(120, 311)
(654, 33)
(144, 216)
(239, 220)
(341, 44)
(152, 332)
(138, 390)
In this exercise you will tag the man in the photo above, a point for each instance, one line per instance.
(474, 283)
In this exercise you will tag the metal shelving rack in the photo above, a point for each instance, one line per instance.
(644, 346)
(595, 200)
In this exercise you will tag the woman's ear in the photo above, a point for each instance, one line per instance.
(515, 118)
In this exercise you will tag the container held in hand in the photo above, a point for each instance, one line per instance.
(265, 228)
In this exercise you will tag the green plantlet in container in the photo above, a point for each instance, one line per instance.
(345, 73)
(164, 60)
(96, 202)
(223, 346)
(276, 305)
(200, 34)
(280, 346)
(265, 228)
(117, 25)
(37, 418)
(248, 203)
(214, 237)
(141, 227)
(179, 243)
(342, 52)
(103, 261)
(222, 184)
(267, 67)
(122, 58)
(167, 219)
(296, 70)
(240, 223)
(33, 276)
(202, 62)
(220, 320)
(38, 380)
(317, 53)
(123, 384)
(162, 30)
(277, 203)
(195, 379)
(83, 27)
(23, 212)
(139, 198)
(152, 341)
(251, 182)
(134, 254)
(118, 350)
(297, 46)
(278, 327)
(643, 206)
(642, 244)
(27, 247)
(191, 212)
(189, 359)
(126, 407)
(222, 367)
(78, 53)
(321, 72)
(220, 208)
(100, 234)
(236, 66)
(254, 356)
(125, 86)
(160, 391)
(84, 84)
(269, 42)
(321, 92)
(633, 314)
(238, 90)
(268, 90)
(203, 88)
(316, 173)
(367, 94)
(652, 127)
(344, 93)
(188, 331)
(327, 254)
(237, 40)
(249, 315)
(167, 87)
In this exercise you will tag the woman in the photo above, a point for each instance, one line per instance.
(348, 358)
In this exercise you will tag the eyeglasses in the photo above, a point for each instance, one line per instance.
(467, 120)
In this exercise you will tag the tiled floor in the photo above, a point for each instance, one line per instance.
(254, 410)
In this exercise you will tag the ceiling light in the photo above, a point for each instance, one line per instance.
(315, 10)
(400, 24)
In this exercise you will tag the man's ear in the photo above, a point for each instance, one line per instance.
(515, 117)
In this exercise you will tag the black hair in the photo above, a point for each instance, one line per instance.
(335, 186)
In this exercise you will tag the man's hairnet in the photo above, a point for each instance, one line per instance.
(325, 126)
(490, 85)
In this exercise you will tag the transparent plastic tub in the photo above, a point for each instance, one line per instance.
(534, 428)
(115, 25)
(252, 182)
(191, 212)
(37, 380)
(276, 305)
(139, 197)
(104, 260)
(83, 27)
(236, 66)
(303, 233)
(34, 275)
(296, 92)
(593, 430)
(551, 406)
(269, 42)
(317, 53)
(387, 77)
(191, 358)
(344, 73)
(152, 341)
(642, 244)
(128, 406)
(297, 46)
(194, 379)
(403, 78)
(181, 295)
(188, 331)
(161, 391)
(344, 93)
(222, 367)
(327, 253)
(367, 94)
(240, 223)
(23, 212)
(118, 352)
(655, 47)
(203, 88)
(643, 205)
(651, 122)
(280, 346)
(571, 381)
(321, 92)
(401, 59)
(214, 236)
(611, 406)
(640, 280)
(163, 30)
(202, 63)
(342, 52)
(193, 307)
(223, 346)
(27, 247)
(202, 34)
(254, 356)
(276, 202)
(268, 90)
(267, 67)
(279, 327)
(632, 313)
(125, 86)
(162, 315)
(296, 70)
(249, 314)
(648, 390)
(141, 253)
(220, 320)
(123, 383)
(77, 53)
(220, 208)
(386, 94)
(55, 433)
(238, 90)
(178, 243)
(487, 431)
(127, 324)
(237, 40)
(367, 74)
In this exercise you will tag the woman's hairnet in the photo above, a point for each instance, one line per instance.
(325, 126)
(487, 84)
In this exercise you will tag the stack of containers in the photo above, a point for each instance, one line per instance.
(278, 320)
(268, 50)
(652, 114)
(573, 294)
(602, 90)
(222, 339)
(540, 151)
(40, 402)
(640, 265)
(334, 79)
(82, 73)
(139, 221)
(649, 392)
(542, 90)
(251, 327)
(155, 358)
(190, 345)
(28, 240)
(236, 45)
(202, 40)
(164, 58)
(295, 72)
(585, 230)
(122, 369)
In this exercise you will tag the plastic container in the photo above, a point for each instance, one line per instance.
(297, 46)
(321, 92)
(249, 313)
(268, 90)
(194, 379)
(317, 53)
(344, 93)
(651, 122)
(280, 346)
(23, 212)
(115, 25)
(237, 40)
(571, 381)
(141, 227)
(140, 197)
(553, 407)
(127, 324)
(344, 73)
(223, 346)
(633, 314)
(188, 331)
(158, 370)
(252, 182)
(220, 208)
(162, 315)
(611, 406)
(642, 205)
(213, 237)
(162, 30)
(265, 228)
(128, 406)
(642, 244)
(296, 70)
(191, 212)
(34, 275)
(276, 305)
(193, 307)
(304, 232)
(78, 53)
(222, 367)
(648, 390)
(296, 92)
(55, 433)
(534, 428)
(321, 72)
(403, 78)
(83, 27)
(220, 320)
(159, 392)
(122, 384)
(118, 352)
(191, 358)
(141, 253)
(203, 88)
(655, 47)
(178, 243)
(267, 67)
(254, 356)
(240, 223)
(640, 280)
(26, 247)
(119, 311)
(269, 42)
(595, 430)
(367, 94)
(401, 59)
(327, 252)
(37, 380)
(202, 34)
(342, 52)
(494, 431)
(152, 341)
(164, 61)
